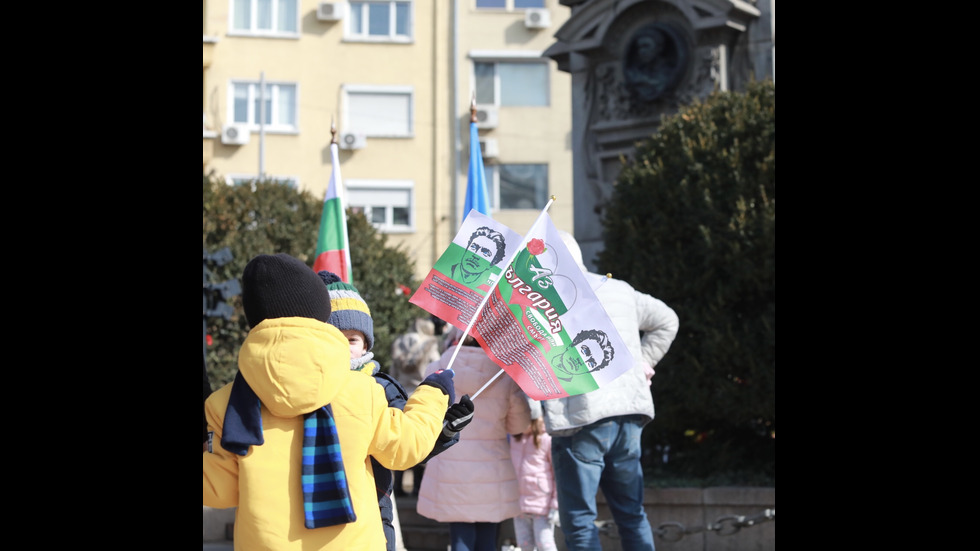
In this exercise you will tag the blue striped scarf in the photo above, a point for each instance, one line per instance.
(326, 499)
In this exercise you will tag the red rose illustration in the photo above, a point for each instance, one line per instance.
(210, 340)
(536, 246)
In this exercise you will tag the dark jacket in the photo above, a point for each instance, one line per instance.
(383, 478)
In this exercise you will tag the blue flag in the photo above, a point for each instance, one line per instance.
(477, 197)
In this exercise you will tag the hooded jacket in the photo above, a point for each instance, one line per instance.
(474, 481)
(296, 365)
(535, 474)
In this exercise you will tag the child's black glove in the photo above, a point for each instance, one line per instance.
(443, 380)
(458, 416)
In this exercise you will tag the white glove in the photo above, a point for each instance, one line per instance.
(553, 518)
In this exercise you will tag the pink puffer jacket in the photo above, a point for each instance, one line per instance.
(474, 480)
(535, 475)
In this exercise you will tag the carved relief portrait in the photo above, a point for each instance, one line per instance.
(656, 59)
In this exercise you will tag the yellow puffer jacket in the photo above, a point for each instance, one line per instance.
(296, 365)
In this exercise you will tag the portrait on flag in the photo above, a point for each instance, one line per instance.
(541, 322)
(594, 349)
(485, 248)
(461, 278)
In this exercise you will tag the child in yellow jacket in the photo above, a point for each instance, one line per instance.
(290, 437)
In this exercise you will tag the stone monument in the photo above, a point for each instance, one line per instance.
(634, 61)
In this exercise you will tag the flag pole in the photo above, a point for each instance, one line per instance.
(492, 379)
(333, 243)
(493, 286)
(335, 160)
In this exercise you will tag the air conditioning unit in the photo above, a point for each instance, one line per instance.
(489, 148)
(486, 117)
(537, 18)
(235, 134)
(350, 140)
(329, 11)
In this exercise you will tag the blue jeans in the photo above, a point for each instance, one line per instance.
(605, 454)
(473, 536)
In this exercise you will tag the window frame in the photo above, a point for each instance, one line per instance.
(353, 89)
(497, 57)
(274, 32)
(508, 6)
(493, 184)
(241, 178)
(253, 117)
(392, 37)
(380, 185)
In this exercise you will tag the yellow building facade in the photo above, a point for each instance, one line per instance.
(399, 80)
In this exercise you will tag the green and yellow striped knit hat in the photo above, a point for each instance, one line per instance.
(348, 309)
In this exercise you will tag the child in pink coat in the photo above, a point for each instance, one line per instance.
(531, 454)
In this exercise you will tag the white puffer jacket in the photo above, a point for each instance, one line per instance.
(631, 312)
(474, 481)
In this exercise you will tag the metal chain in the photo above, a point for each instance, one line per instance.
(675, 531)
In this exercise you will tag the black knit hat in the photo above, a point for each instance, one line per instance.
(280, 286)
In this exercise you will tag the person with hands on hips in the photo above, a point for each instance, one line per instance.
(595, 437)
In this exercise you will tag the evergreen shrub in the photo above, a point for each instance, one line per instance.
(268, 217)
(692, 221)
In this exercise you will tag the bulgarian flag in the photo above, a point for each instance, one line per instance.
(332, 245)
(535, 313)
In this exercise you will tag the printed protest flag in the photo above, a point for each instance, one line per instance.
(540, 320)
(332, 245)
(477, 196)
(456, 286)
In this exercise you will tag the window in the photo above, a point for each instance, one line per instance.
(265, 17)
(379, 111)
(280, 105)
(509, 4)
(383, 21)
(518, 82)
(388, 204)
(517, 186)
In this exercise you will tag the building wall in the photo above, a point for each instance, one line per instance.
(525, 134)
(436, 65)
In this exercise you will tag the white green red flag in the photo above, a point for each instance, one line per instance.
(332, 245)
(541, 321)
